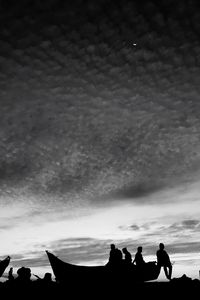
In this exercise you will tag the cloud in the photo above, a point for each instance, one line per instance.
(133, 227)
(190, 224)
(186, 225)
(89, 251)
(84, 115)
(31, 259)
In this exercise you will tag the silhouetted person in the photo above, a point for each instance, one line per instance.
(47, 277)
(24, 275)
(112, 254)
(127, 256)
(163, 260)
(115, 256)
(10, 275)
(138, 260)
(118, 255)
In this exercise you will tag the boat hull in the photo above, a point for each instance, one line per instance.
(68, 272)
(3, 265)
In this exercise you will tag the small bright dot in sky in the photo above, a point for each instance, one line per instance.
(134, 44)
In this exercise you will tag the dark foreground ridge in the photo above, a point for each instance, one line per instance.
(179, 288)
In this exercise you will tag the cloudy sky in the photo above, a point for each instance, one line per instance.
(99, 130)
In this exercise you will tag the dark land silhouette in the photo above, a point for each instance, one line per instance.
(114, 288)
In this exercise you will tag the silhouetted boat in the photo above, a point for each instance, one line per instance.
(3, 265)
(65, 271)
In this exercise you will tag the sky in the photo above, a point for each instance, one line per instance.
(99, 130)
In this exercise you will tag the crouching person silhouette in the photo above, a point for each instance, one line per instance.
(163, 260)
(138, 260)
(127, 257)
(115, 258)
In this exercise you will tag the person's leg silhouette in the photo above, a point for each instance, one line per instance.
(166, 271)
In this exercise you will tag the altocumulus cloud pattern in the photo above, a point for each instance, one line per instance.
(85, 114)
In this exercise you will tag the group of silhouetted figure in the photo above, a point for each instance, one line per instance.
(22, 285)
(24, 276)
(116, 259)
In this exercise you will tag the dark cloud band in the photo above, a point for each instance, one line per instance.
(86, 114)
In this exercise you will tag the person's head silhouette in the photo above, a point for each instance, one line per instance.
(161, 246)
(24, 273)
(124, 250)
(139, 249)
(112, 246)
(47, 277)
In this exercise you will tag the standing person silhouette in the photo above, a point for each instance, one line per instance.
(112, 257)
(163, 260)
(10, 274)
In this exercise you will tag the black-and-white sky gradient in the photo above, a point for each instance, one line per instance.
(99, 129)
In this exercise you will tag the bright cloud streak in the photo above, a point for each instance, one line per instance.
(124, 221)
